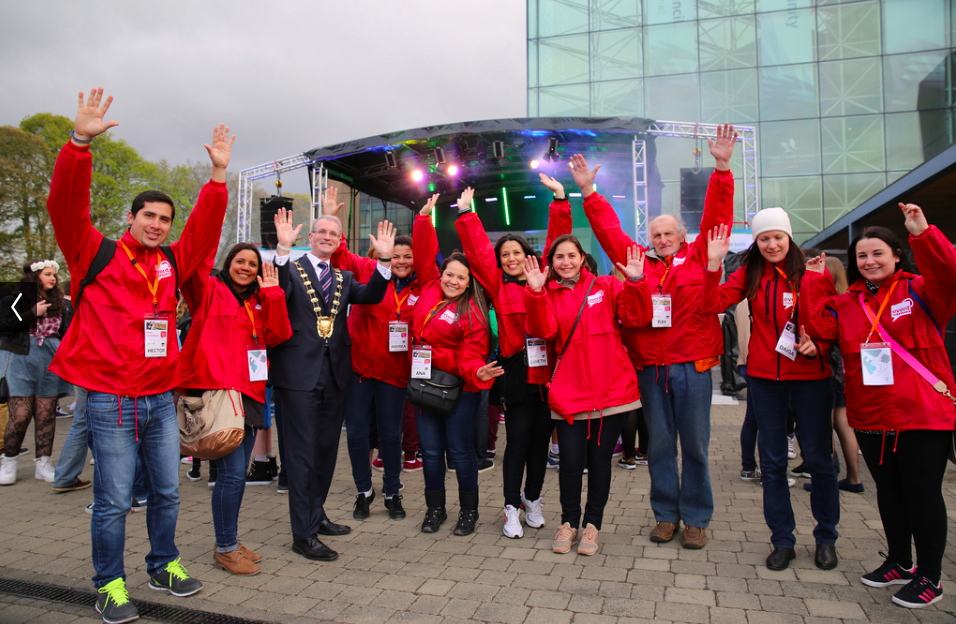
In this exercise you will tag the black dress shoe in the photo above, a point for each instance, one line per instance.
(394, 506)
(327, 527)
(826, 557)
(362, 503)
(313, 549)
(780, 558)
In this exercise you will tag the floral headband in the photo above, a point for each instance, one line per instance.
(44, 264)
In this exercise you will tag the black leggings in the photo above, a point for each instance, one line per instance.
(528, 427)
(589, 443)
(908, 469)
(634, 431)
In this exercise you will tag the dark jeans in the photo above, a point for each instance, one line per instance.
(748, 434)
(228, 491)
(389, 403)
(456, 433)
(586, 443)
(634, 434)
(529, 428)
(277, 419)
(811, 401)
(908, 469)
(481, 426)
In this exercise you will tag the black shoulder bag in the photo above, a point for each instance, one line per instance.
(571, 333)
(438, 394)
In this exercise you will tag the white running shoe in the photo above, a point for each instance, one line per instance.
(44, 469)
(791, 446)
(512, 528)
(8, 470)
(532, 512)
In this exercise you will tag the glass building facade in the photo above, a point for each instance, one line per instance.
(846, 97)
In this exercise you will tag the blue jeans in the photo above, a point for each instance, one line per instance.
(73, 454)
(140, 478)
(676, 402)
(811, 401)
(456, 432)
(748, 434)
(114, 424)
(228, 491)
(389, 404)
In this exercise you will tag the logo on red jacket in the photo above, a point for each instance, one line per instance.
(787, 300)
(412, 300)
(164, 270)
(902, 308)
(449, 317)
(596, 298)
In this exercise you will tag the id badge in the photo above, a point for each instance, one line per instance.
(537, 352)
(258, 365)
(876, 359)
(661, 304)
(422, 363)
(397, 337)
(156, 332)
(787, 345)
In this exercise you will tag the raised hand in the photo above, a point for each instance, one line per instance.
(718, 244)
(269, 277)
(426, 210)
(89, 116)
(817, 264)
(385, 241)
(635, 263)
(220, 151)
(489, 371)
(464, 202)
(329, 205)
(285, 233)
(806, 346)
(553, 185)
(915, 219)
(532, 272)
(582, 175)
(722, 148)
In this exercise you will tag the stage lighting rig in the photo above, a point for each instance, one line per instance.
(552, 154)
(390, 159)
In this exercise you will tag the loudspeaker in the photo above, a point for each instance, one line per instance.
(268, 207)
(693, 190)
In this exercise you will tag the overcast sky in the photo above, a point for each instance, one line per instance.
(286, 76)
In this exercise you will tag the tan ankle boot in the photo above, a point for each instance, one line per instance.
(254, 557)
(235, 562)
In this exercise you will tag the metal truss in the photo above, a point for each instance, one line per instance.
(248, 176)
(640, 191)
(320, 182)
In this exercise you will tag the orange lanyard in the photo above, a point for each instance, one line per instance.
(399, 302)
(668, 262)
(432, 312)
(784, 276)
(876, 319)
(252, 320)
(154, 287)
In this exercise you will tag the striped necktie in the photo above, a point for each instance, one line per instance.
(325, 280)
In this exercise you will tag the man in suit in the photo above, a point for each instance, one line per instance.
(311, 371)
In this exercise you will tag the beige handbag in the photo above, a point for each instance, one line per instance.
(210, 426)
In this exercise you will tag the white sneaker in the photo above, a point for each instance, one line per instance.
(512, 528)
(8, 470)
(791, 446)
(791, 481)
(44, 469)
(532, 513)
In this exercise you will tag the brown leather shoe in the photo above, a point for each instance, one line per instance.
(235, 562)
(254, 557)
(664, 532)
(694, 538)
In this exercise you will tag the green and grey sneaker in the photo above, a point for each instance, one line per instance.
(175, 580)
(114, 604)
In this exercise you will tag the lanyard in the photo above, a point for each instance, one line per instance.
(398, 304)
(876, 319)
(432, 312)
(154, 287)
(668, 263)
(252, 320)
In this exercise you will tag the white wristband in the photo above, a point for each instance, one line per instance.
(281, 248)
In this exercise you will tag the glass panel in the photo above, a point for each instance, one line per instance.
(723, 8)
(782, 5)
(789, 148)
(669, 11)
(673, 153)
(843, 193)
(801, 197)
(562, 17)
(729, 96)
(907, 75)
(848, 31)
(533, 103)
(532, 19)
(616, 55)
(563, 101)
(788, 92)
(728, 43)
(533, 63)
(911, 25)
(936, 127)
(851, 87)
(674, 98)
(787, 37)
(563, 60)
(671, 49)
(852, 144)
(612, 14)
(621, 97)
(904, 146)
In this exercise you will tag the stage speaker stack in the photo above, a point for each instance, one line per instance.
(268, 207)
(693, 189)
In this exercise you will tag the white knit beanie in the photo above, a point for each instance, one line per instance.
(770, 220)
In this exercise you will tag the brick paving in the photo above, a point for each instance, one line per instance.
(389, 572)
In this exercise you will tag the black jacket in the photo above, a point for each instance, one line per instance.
(15, 333)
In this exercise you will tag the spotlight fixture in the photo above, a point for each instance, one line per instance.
(440, 155)
(499, 149)
(534, 164)
(417, 175)
(552, 154)
(390, 159)
(452, 170)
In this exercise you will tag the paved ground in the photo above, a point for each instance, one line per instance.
(390, 572)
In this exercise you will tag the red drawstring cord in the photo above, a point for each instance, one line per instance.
(600, 426)
(898, 433)
(589, 427)
(882, 445)
(120, 399)
(667, 377)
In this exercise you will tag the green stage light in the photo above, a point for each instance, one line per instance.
(504, 196)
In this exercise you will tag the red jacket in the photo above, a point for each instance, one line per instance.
(910, 403)
(459, 346)
(692, 335)
(508, 294)
(770, 309)
(368, 324)
(104, 347)
(215, 353)
(594, 372)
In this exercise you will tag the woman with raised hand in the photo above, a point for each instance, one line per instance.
(236, 316)
(786, 369)
(899, 388)
(593, 387)
(450, 329)
(527, 360)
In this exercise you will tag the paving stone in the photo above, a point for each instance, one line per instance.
(835, 609)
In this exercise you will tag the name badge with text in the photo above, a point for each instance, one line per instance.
(787, 345)
(876, 359)
(422, 363)
(397, 337)
(156, 331)
(258, 365)
(662, 306)
(537, 352)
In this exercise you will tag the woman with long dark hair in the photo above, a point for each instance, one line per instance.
(236, 315)
(889, 324)
(527, 360)
(28, 351)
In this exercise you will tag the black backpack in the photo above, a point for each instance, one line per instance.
(103, 256)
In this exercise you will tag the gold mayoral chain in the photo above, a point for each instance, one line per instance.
(323, 324)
